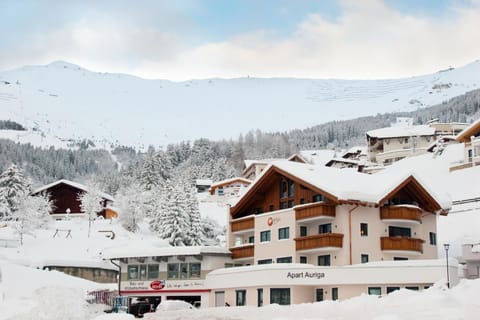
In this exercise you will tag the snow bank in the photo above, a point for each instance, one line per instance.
(436, 303)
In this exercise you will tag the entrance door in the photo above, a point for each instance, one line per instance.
(319, 294)
(219, 298)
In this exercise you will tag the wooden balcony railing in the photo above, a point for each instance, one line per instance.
(402, 244)
(242, 252)
(314, 210)
(318, 241)
(401, 213)
(244, 224)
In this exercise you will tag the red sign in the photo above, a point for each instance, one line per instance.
(270, 221)
(157, 285)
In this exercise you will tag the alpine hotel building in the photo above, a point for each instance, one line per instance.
(305, 233)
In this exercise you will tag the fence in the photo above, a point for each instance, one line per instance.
(104, 296)
(9, 243)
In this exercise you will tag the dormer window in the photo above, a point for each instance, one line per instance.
(283, 188)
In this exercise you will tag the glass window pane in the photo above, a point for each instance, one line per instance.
(195, 270)
(143, 272)
(183, 270)
(132, 272)
(152, 271)
(280, 296)
(172, 270)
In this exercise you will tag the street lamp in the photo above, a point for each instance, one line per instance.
(447, 246)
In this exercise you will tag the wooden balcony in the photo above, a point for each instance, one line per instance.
(318, 241)
(243, 224)
(315, 210)
(400, 212)
(242, 252)
(402, 244)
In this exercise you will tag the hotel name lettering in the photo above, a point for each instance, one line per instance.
(305, 275)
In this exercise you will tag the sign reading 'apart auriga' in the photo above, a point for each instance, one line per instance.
(305, 275)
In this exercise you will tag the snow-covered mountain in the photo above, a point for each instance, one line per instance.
(64, 100)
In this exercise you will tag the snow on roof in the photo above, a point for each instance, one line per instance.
(203, 182)
(399, 131)
(84, 263)
(302, 266)
(465, 184)
(152, 251)
(343, 160)
(73, 184)
(227, 181)
(471, 130)
(351, 185)
(355, 149)
(318, 157)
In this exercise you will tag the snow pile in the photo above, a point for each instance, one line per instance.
(436, 303)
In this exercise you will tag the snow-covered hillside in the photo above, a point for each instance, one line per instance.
(67, 101)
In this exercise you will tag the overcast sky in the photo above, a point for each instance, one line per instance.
(185, 39)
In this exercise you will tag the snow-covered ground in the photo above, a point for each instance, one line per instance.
(65, 100)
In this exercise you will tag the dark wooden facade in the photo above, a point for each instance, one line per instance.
(267, 195)
(65, 199)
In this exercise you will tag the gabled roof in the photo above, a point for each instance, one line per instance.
(348, 185)
(472, 130)
(402, 131)
(75, 185)
(229, 181)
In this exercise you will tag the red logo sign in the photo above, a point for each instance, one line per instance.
(157, 285)
(270, 221)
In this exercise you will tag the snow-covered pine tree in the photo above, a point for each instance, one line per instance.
(176, 222)
(91, 202)
(131, 205)
(13, 186)
(195, 231)
(32, 213)
(150, 174)
(161, 206)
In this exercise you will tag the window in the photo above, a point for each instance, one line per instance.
(251, 239)
(325, 228)
(283, 205)
(241, 297)
(283, 188)
(399, 232)
(172, 270)
(364, 229)
(143, 272)
(433, 238)
(392, 289)
(132, 272)
(375, 291)
(284, 260)
(302, 201)
(291, 188)
(152, 271)
(260, 297)
(194, 270)
(303, 231)
(412, 288)
(220, 191)
(257, 210)
(280, 296)
(283, 233)
(303, 259)
(183, 270)
(324, 260)
(319, 295)
(317, 198)
(364, 258)
(334, 293)
(265, 261)
(291, 203)
(399, 258)
(265, 236)
(271, 208)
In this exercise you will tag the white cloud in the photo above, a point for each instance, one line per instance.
(368, 40)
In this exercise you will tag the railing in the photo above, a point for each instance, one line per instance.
(402, 244)
(315, 210)
(242, 252)
(401, 213)
(244, 224)
(319, 241)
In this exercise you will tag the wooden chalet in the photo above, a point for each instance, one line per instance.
(64, 195)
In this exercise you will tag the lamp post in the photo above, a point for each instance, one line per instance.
(447, 246)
